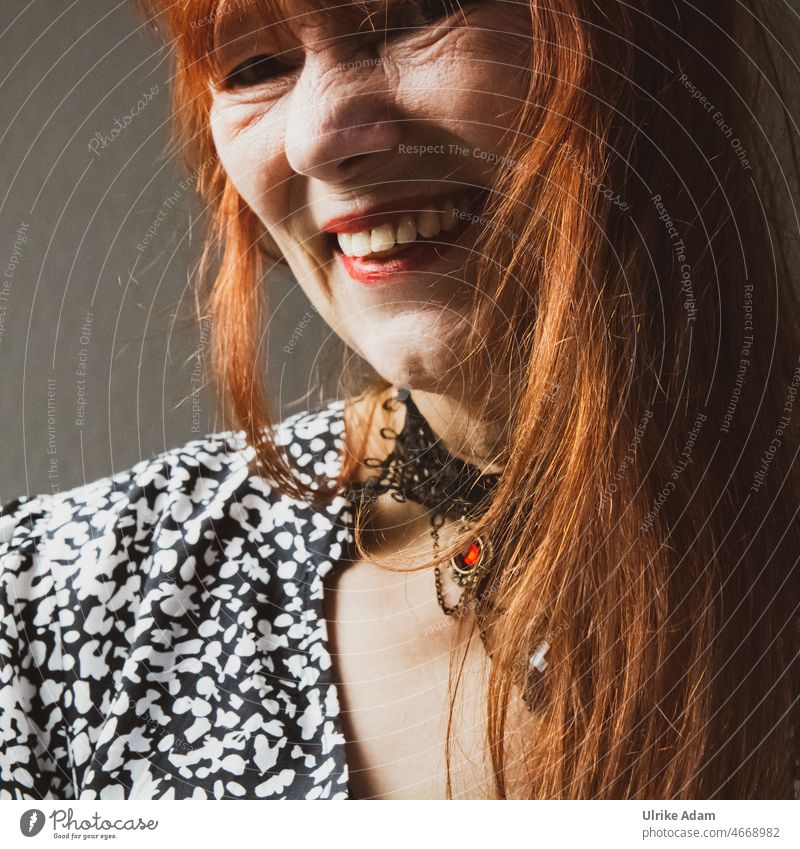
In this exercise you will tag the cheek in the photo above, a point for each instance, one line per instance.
(249, 143)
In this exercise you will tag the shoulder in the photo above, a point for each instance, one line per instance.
(183, 563)
(314, 441)
(184, 496)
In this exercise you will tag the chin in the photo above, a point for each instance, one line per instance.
(421, 347)
(414, 363)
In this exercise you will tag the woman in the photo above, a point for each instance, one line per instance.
(546, 547)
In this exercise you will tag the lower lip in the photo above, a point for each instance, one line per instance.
(416, 257)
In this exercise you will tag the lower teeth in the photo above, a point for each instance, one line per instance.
(392, 251)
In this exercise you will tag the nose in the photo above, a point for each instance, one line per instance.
(339, 122)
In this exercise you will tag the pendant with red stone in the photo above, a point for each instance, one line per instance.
(469, 563)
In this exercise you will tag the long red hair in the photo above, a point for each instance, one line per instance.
(646, 517)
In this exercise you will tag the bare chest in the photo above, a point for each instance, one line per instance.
(392, 649)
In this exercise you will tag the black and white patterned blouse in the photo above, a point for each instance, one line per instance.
(161, 630)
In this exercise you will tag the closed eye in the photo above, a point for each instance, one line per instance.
(257, 70)
(417, 14)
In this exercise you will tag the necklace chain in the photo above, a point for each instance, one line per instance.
(420, 469)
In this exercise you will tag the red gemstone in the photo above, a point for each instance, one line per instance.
(472, 554)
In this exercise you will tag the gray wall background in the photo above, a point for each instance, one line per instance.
(78, 300)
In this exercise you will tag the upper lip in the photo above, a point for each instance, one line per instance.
(382, 213)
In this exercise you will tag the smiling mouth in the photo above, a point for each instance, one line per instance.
(399, 233)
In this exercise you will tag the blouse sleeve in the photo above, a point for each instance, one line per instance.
(83, 574)
(70, 601)
(31, 674)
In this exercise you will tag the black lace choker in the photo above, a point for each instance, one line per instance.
(420, 469)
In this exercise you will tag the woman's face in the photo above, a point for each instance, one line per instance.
(366, 151)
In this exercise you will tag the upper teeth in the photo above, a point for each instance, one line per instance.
(427, 223)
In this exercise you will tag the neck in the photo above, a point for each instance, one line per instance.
(474, 439)
(469, 433)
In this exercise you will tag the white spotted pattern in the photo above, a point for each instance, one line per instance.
(161, 630)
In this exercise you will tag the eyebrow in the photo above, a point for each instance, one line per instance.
(278, 19)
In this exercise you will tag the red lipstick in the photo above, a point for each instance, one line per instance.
(413, 256)
(383, 213)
